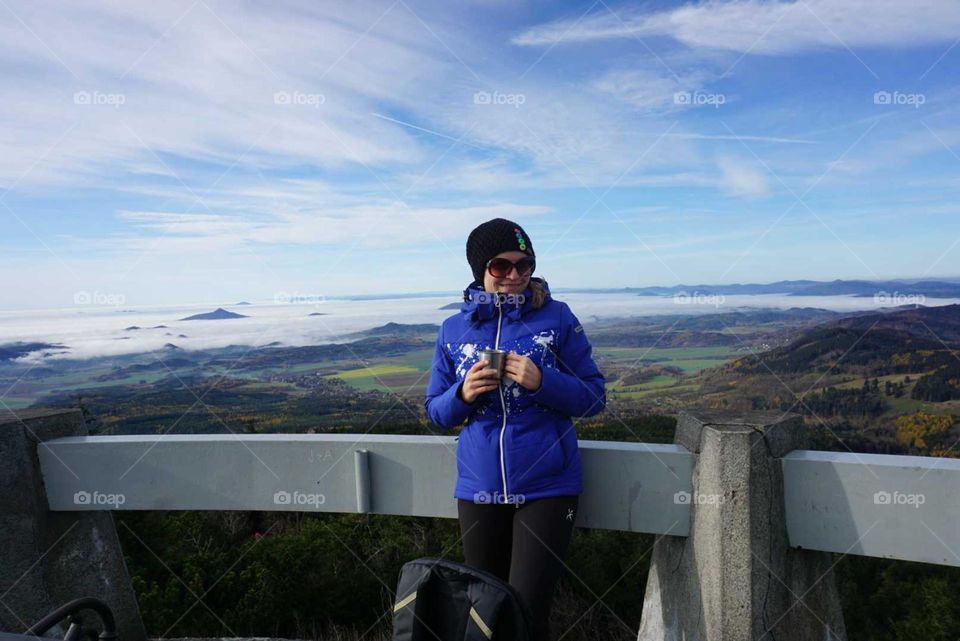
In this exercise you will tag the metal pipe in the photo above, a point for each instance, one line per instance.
(361, 460)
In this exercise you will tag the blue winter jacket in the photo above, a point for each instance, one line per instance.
(517, 445)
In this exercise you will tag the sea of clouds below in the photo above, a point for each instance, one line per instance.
(91, 331)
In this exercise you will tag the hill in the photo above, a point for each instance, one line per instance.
(217, 314)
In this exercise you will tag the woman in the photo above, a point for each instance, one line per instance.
(518, 463)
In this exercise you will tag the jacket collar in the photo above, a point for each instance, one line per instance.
(479, 304)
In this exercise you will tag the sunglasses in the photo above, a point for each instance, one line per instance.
(500, 267)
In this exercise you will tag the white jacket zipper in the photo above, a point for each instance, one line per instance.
(503, 405)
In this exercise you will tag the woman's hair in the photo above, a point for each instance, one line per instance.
(540, 295)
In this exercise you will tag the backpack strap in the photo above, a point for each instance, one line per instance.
(494, 610)
(415, 576)
(486, 606)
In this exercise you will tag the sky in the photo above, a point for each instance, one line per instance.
(204, 151)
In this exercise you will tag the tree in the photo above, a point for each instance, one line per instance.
(923, 430)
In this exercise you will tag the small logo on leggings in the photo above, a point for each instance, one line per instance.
(569, 514)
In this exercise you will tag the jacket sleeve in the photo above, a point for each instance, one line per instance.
(443, 403)
(576, 386)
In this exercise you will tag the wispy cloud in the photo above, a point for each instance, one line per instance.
(742, 178)
(205, 81)
(186, 147)
(774, 28)
(371, 226)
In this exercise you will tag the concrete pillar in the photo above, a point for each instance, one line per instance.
(735, 578)
(48, 558)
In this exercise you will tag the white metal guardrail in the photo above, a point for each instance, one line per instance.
(898, 507)
(753, 516)
(636, 487)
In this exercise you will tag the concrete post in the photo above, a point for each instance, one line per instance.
(735, 578)
(49, 558)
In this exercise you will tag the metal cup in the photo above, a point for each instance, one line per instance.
(495, 359)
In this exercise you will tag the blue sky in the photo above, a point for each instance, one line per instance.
(199, 151)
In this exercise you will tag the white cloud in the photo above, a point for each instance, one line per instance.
(767, 27)
(187, 81)
(369, 226)
(197, 85)
(191, 176)
(644, 89)
(739, 178)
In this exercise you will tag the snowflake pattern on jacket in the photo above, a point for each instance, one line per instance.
(538, 347)
(516, 444)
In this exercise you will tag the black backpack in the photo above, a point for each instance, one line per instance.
(440, 600)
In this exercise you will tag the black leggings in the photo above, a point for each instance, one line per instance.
(522, 545)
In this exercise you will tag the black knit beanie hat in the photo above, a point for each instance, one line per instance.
(494, 237)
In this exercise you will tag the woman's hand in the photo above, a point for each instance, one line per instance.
(479, 379)
(522, 370)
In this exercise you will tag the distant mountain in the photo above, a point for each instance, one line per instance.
(726, 320)
(11, 351)
(396, 329)
(862, 288)
(724, 328)
(318, 314)
(779, 287)
(217, 314)
(943, 288)
(132, 328)
(162, 367)
(243, 302)
(938, 324)
(888, 288)
(904, 340)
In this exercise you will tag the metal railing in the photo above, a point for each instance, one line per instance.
(628, 486)
(749, 516)
(899, 507)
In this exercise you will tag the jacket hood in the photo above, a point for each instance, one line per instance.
(478, 304)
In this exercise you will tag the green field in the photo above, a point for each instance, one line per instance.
(412, 371)
(374, 371)
(690, 360)
(389, 376)
(17, 403)
(666, 354)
